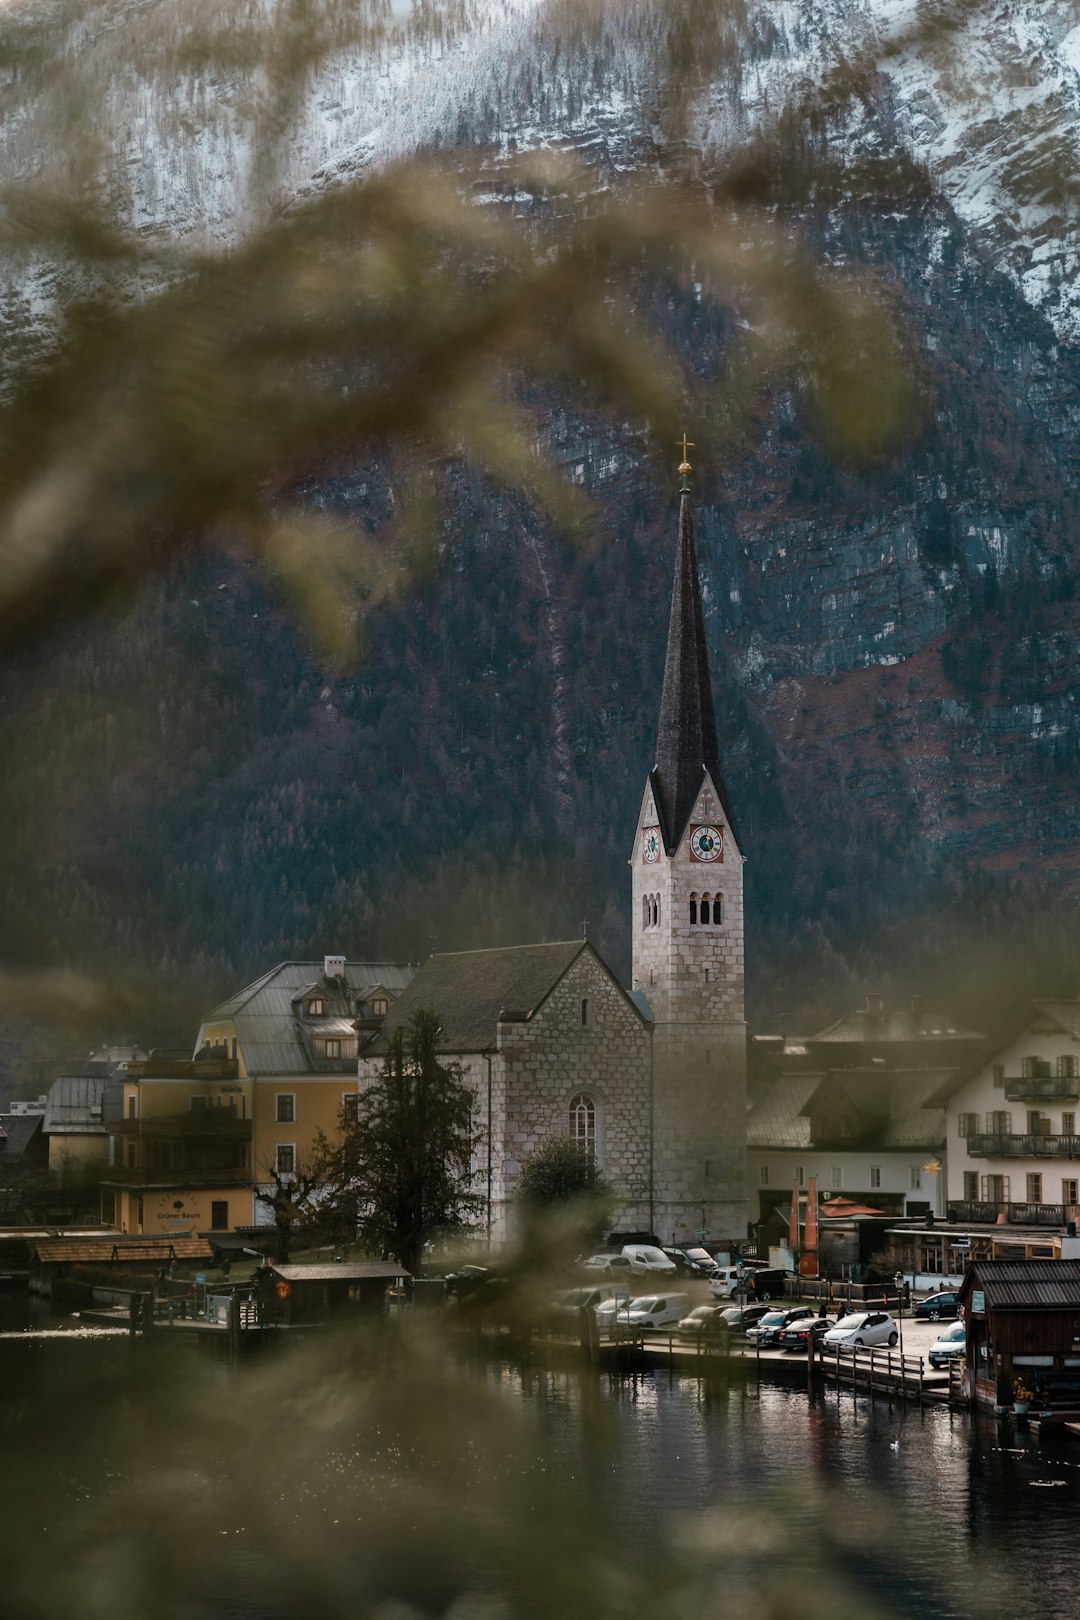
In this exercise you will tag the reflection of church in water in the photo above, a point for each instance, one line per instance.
(654, 1079)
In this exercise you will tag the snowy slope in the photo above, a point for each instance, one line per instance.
(187, 154)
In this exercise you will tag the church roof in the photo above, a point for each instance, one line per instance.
(686, 744)
(472, 990)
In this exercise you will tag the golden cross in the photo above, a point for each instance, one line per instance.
(687, 444)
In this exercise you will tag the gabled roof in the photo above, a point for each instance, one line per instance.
(271, 1036)
(1065, 1014)
(17, 1133)
(1026, 1284)
(71, 1104)
(894, 1103)
(686, 745)
(470, 990)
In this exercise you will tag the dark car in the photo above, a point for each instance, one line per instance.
(795, 1335)
(767, 1283)
(769, 1329)
(938, 1308)
(467, 1280)
(741, 1317)
(692, 1262)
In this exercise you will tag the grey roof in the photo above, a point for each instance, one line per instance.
(777, 1119)
(331, 1272)
(894, 1102)
(17, 1132)
(70, 1105)
(686, 744)
(471, 989)
(1026, 1284)
(896, 1024)
(274, 1039)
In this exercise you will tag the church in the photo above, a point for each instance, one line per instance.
(652, 1080)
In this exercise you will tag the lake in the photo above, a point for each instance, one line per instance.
(384, 1471)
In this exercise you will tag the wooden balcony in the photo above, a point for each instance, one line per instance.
(1039, 1087)
(118, 1176)
(987, 1146)
(983, 1213)
(188, 1069)
(206, 1122)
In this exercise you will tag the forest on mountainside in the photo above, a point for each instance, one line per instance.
(195, 788)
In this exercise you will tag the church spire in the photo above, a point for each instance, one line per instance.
(686, 744)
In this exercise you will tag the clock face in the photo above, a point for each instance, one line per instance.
(650, 844)
(707, 843)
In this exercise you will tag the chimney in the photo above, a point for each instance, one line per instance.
(873, 1004)
(333, 967)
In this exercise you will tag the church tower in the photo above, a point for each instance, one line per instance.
(688, 939)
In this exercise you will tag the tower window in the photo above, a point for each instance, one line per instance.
(693, 911)
(586, 1012)
(646, 911)
(583, 1122)
(717, 910)
(704, 912)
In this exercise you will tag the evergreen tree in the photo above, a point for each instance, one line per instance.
(400, 1172)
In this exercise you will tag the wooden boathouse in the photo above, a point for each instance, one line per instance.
(1023, 1335)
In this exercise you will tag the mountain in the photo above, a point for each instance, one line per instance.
(896, 662)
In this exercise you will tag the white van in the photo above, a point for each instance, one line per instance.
(656, 1310)
(645, 1261)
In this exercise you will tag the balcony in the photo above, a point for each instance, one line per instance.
(219, 1068)
(984, 1146)
(1039, 1087)
(213, 1122)
(118, 1176)
(1016, 1214)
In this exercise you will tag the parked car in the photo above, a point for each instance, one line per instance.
(742, 1317)
(726, 1279)
(795, 1335)
(773, 1323)
(950, 1346)
(705, 1322)
(938, 1308)
(466, 1280)
(692, 1262)
(645, 1261)
(863, 1327)
(608, 1265)
(568, 1302)
(768, 1283)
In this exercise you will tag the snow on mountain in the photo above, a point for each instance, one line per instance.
(189, 149)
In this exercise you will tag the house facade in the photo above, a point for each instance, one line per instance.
(273, 1065)
(868, 1134)
(1012, 1144)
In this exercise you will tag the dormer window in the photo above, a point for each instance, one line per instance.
(316, 1007)
(380, 1006)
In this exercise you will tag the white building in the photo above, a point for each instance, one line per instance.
(1013, 1150)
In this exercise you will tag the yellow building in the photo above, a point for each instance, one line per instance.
(274, 1064)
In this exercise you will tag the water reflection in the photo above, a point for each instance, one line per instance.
(402, 1472)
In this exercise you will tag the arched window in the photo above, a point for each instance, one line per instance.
(586, 1012)
(717, 910)
(693, 911)
(656, 910)
(583, 1122)
(646, 911)
(704, 910)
